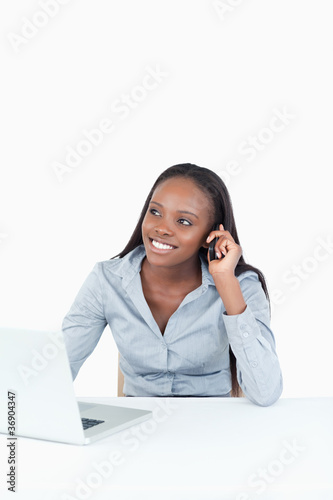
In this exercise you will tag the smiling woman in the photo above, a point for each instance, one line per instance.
(184, 325)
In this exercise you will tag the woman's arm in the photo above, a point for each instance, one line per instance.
(85, 322)
(247, 321)
(230, 293)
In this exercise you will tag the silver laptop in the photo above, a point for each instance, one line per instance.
(37, 396)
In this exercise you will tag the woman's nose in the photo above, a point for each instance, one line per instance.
(163, 228)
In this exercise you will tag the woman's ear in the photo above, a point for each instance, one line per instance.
(205, 244)
(215, 227)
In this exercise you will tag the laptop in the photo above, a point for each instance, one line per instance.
(37, 398)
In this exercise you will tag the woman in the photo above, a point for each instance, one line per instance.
(184, 325)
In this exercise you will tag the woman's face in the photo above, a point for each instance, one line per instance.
(177, 222)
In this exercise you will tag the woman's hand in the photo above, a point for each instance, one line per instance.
(228, 247)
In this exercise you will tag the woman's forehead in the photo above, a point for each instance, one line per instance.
(180, 186)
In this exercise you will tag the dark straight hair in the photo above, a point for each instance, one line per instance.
(216, 191)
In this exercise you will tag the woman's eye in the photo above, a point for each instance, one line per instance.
(187, 222)
(152, 210)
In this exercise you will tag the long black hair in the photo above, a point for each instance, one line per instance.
(213, 186)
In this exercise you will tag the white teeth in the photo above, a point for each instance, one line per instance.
(161, 246)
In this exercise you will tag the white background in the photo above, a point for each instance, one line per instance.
(227, 72)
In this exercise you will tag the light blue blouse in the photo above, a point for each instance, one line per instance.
(192, 357)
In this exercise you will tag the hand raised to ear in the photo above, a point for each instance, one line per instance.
(225, 245)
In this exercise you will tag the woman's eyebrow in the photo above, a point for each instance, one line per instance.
(179, 211)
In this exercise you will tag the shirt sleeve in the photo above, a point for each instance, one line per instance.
(85, 322)
(253, 344)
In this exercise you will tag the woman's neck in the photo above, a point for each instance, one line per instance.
(183, 274)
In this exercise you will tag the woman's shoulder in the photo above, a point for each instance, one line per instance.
(124, 265)
(251, 286)
(248, 276)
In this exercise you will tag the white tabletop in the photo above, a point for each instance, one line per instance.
(192, 448)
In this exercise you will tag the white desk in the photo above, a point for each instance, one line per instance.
(192, 449)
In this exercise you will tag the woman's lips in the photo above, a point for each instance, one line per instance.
(159, 247)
